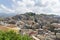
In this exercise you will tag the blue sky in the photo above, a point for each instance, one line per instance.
(37, 6)
(6, 3)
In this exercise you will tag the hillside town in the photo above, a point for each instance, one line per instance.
(38, 26)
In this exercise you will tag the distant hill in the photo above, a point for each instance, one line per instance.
(33, 16)
(3, 15)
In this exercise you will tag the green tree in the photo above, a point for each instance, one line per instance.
(30, 13)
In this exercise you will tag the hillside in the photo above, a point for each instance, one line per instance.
(39, 26)
(41, 19)
(33, 16)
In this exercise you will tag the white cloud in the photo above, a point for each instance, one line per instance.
(14, 1)
(4, 9)
(42, 6)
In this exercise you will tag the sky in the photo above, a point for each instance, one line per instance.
(36, 6)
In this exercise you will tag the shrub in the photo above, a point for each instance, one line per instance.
(31, 13)
(11, 35)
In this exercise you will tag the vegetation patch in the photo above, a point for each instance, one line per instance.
(11, 35)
